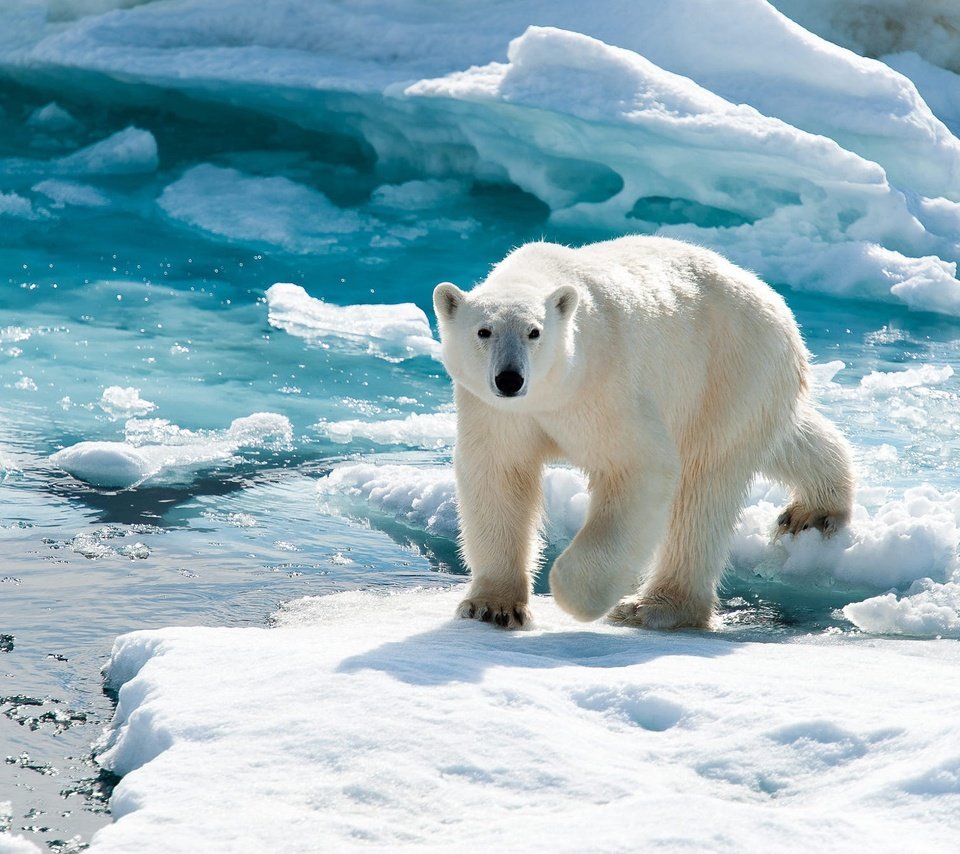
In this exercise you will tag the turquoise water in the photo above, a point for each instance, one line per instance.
(101, 286)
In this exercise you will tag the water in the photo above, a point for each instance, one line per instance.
(115, 290)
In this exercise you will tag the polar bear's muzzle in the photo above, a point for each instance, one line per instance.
(510, 383)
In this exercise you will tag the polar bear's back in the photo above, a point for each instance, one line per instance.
(679, 321)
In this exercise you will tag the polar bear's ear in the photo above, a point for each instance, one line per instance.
(447, 298)
(565, 300)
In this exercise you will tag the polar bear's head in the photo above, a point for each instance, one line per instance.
(509, 351)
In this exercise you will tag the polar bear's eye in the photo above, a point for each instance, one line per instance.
(534, 333)
(483, 332)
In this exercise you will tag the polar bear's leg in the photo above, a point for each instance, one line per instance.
(681, 589)
(498, 465)
(625, 522)
(814, 461)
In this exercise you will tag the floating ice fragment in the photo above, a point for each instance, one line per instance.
(128, 152)
(52, 117)
(159, 451)
(881, 381)
(119, 402)
(256, 210)
(391, 332)
(425, 430)
(927, 609)
(64, 193)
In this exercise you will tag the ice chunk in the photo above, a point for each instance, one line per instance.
(119, 402)
(425, 430)
(127, 152)
(662, 135)
(927, 609)
(417, 195)
(910, 378)
(255, 210)
(392, 332)
(160, 452)
(64, 193)
(52, 117)
(562, 718)
(16, 207)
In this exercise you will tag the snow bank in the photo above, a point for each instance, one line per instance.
(157, 451)
(565, 737)
(891, 543)
(725, 123)
(256, 210)
(391, 332)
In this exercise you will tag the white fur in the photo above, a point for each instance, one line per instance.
(668, 375)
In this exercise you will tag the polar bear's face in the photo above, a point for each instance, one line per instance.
(508, 352)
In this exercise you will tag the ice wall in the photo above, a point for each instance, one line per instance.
(729, 124)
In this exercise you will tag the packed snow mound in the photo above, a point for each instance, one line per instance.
(430, 731)
(728, 124)
(156, 451)
(391, 332)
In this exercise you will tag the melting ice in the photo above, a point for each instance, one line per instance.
(221, 226)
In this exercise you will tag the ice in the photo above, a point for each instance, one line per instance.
(891, 541)
(16, 206)
(127, 152)
(878, 27)
(119, 402)
(430, 731)
(425, 430)
(157, 451)
(392, 332)
(727, 124)
(52, 117)
(926, 609)
(63, 193)
(654, 138)
(250, 209)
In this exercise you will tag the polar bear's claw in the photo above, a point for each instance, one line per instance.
(507, 616)
(796, 519)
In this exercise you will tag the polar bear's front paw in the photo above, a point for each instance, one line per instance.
(797, 518)
(653, 611)
(508, 615)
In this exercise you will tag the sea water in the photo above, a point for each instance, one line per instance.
(182, 443)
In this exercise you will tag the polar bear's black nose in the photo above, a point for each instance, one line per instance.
(508, 382)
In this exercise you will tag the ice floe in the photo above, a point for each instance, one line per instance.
(392, 332)
(158, 451)
(564, 737)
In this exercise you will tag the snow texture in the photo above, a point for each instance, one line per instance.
(565, 737)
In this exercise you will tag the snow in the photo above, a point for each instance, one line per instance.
(425, 430)
(377, 721)
(728, 124)
(157, 451)
(391, 332)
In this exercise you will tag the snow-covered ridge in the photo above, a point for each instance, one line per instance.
(725, 123)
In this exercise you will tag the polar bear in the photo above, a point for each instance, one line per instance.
(668, 375)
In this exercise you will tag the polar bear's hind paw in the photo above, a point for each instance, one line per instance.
(795, 519)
